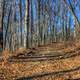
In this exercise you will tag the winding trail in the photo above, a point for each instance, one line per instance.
(34, 58)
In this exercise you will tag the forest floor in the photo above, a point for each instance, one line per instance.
(56, 69)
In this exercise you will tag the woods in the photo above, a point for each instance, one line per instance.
(39, 39)
(34, 23)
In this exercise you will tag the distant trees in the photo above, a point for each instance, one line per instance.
(32, 23)
(72, 9)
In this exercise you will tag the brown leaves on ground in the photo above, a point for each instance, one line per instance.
(11, 71)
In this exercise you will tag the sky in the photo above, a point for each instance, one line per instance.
(76, 6)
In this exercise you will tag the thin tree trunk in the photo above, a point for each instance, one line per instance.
(28, 20)
(21, 21)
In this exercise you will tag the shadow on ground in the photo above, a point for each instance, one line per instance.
(52, 73)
